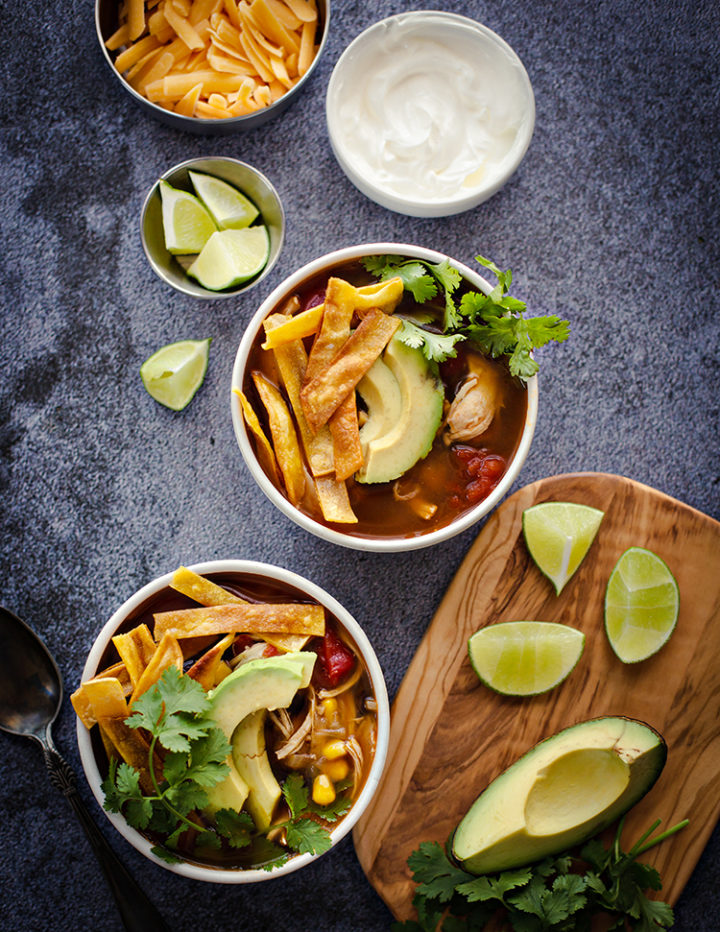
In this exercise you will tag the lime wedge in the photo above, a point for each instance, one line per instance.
(642, 601)
(186, 224)
(175, 372)
(558, 535)
(229, 207)
(524, 658)
(231, 257)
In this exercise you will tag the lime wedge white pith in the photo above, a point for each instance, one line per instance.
(525, 658)
(642, 601)
(230, 208)
(231, 257)
(558, 535)
(175, 372)
(187, 225)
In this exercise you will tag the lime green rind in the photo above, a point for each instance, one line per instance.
(525, 658)
(558, 536)
(230, 208)
(231, 257)
(641, 585)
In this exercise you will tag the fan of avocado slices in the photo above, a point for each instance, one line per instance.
(495, 322)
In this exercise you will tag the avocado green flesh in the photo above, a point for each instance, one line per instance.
(404, 439)
(266, 683)
(380, 391)
(252, 764)
(560, 793)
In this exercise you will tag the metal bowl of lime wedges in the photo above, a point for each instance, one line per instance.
(212, 227)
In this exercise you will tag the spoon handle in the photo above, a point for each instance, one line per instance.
(138, 913)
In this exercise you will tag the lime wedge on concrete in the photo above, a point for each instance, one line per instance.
(175, 372)
(558, 535)
(230, 208)
(642, 601)
(231, 257)
(187, 225)
(524, 658)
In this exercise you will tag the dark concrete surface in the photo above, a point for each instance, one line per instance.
(611, 221)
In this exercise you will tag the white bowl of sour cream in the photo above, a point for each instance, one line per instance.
(429, 113)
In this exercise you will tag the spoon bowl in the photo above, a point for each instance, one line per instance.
(30, 685)
(31, 694)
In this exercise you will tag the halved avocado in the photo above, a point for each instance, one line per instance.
(560, 793)
(266, 683)
(407, 437)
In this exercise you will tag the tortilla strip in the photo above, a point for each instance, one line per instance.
(82, 704)
(136, 649)
(291, 359)
(131, 747)
(284, 437)
(264, 450)
(167, 654)
(345, 431)
(205, 670)
(209, 593)
(335, 328)
(334, 501)
(322, 396)
(249, 618)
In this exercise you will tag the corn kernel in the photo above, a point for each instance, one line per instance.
(329, 707)
(323, 791)
(337, 770)
(334, 749)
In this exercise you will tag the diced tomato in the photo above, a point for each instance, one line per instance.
(335, 661)
(483, 470)
(241, 642)
(270, 651)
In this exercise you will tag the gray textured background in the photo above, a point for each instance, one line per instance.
(611, 221)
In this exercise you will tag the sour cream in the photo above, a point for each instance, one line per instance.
(429, 113)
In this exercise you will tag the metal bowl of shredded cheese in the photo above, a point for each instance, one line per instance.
(212, 67)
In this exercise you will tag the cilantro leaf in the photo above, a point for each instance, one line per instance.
(436, 347)
(168, 710)
(436, 875)
(165, 854)
(333, 811)
(237, 827)
(296, 795)
(307, 837)
(494, 888)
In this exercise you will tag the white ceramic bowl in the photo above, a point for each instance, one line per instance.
(358, 636)
(347, 538)
(429, 113)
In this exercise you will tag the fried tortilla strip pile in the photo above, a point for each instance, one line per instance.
(208, 593)
(210, 669)
(320, 388)
(167, 654)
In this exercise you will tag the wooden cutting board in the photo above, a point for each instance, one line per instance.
(450, 735)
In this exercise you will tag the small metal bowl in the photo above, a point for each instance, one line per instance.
(106, 23)
(242, 176)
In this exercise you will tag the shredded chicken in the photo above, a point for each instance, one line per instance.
(253, 652)
(297, 739)
(476, 403)
(282, 721)
(349, 682)
(352, 746)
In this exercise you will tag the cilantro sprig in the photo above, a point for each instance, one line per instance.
(560, 894)
(186, 756)
(495, 323)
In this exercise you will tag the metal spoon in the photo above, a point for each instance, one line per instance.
(30, 697)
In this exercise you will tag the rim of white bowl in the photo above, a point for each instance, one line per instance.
(347, 539)
(417, 206)
(220, 875)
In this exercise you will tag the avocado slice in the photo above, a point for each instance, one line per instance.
(560, 793)
(380, 391)
(402, 439)
(252, 764)
(265, 683)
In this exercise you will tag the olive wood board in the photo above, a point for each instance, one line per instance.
(450, 735)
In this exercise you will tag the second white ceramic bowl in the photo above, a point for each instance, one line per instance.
(346, 538)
